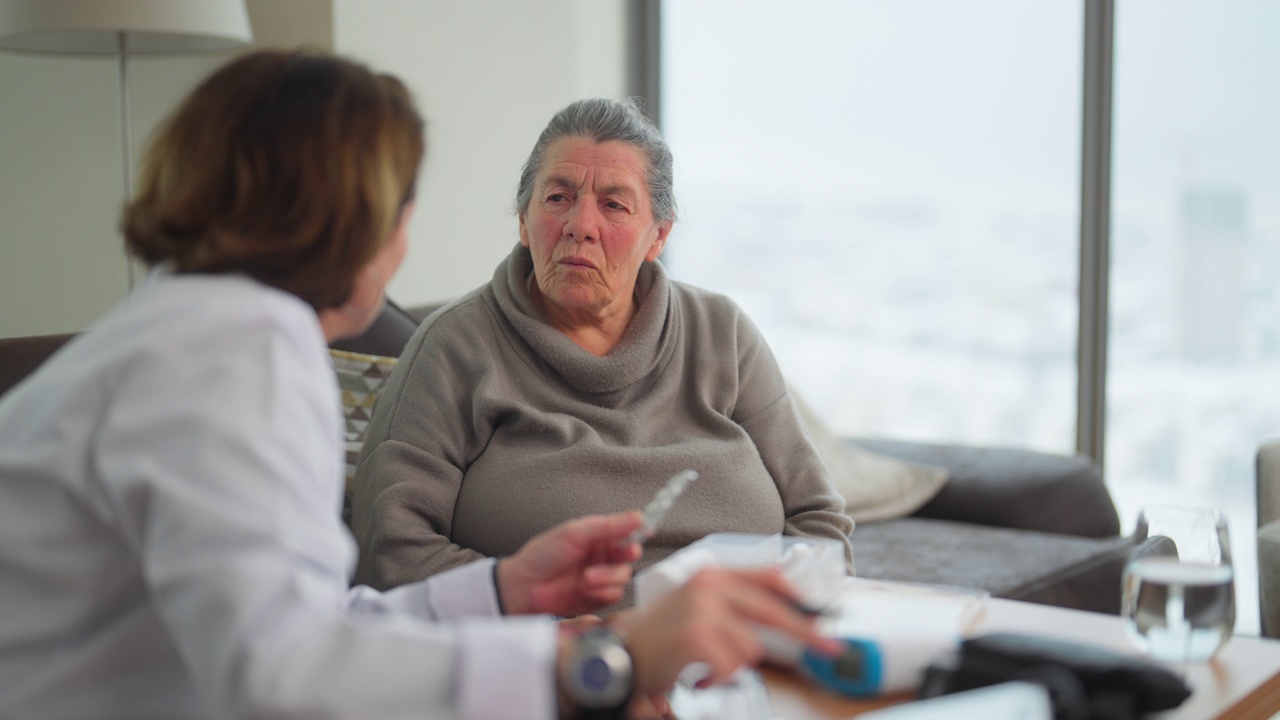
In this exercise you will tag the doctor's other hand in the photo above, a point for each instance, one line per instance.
(713, 619)
(575, 567)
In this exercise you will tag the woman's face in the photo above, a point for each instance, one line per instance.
(589, 225)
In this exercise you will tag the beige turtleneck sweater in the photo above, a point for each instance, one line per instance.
(495, 427)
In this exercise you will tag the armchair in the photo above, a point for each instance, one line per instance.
(1268, 479)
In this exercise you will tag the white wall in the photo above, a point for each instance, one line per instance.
(488, 74)
(62, 260)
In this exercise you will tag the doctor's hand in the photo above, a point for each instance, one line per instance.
(574, 567)
(713, 619)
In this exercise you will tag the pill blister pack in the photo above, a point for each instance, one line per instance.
(656, 511)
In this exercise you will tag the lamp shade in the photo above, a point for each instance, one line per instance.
(92, 27)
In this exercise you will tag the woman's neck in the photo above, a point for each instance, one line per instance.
(596, 331)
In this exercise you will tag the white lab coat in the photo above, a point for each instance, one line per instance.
(170, 540)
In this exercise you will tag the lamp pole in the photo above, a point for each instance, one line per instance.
(126, 131)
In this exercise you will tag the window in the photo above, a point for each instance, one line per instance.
(1194, 363)
(890, 190)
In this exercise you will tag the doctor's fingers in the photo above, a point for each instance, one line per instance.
(600, 577)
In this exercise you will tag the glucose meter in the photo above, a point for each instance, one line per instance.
(858, 671)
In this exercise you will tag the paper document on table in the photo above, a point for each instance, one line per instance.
(741, 697)
(1004, 701)
(886, 609)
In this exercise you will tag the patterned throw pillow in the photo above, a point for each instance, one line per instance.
(360, 378)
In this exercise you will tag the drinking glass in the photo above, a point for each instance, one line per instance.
(1179, 598)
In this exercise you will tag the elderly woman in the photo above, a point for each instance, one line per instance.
(579, 379)
(170, 542)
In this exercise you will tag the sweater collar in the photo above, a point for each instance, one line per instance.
(646, 344)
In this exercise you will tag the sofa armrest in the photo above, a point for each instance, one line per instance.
(21, 355)
(1012, 488)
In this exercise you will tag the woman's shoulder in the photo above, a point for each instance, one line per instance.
(460, 311)
(693, 298)
(716, 318)
(697, 304)
(456, 326)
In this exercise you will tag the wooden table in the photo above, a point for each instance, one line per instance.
(1241, 683)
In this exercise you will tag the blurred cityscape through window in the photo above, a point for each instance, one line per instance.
(1194, 364)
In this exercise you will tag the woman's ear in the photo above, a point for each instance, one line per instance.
(361, 308)
(524, 231)
(335, 325)
(659, 241)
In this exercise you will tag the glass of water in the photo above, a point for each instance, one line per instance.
(1179, 598)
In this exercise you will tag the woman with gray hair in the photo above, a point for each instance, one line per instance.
(579, 379)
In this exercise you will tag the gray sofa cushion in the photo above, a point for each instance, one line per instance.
(1012, 488)
(1049, 568)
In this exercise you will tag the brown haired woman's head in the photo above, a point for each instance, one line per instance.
(292, 168)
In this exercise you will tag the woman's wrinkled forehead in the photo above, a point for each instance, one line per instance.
(608, 167)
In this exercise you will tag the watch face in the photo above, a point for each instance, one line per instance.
(599, 672)
(596, 675)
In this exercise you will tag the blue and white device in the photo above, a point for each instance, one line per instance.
(856, 672)
(890, 631)
(868, 667)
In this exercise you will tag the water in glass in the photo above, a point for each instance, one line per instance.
(1178, 611)
(1179, 598)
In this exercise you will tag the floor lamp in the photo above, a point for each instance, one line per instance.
(123, 28)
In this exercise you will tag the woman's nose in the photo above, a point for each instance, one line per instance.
(583, 222)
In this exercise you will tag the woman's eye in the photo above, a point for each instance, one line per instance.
(615, 205)
(557, 197)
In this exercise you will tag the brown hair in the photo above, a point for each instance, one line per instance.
(289, 167)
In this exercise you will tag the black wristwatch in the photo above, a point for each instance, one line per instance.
(597, 676)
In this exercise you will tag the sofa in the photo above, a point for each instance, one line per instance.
(1015, 523)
